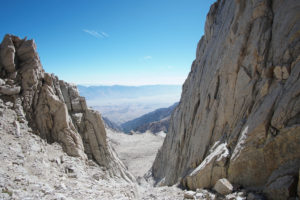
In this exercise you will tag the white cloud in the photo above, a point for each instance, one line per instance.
(96, 34)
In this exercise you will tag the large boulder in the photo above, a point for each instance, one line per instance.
(223, 186)
(210, 170)
(8, 90)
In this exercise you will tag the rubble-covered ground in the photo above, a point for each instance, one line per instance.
(33, 169)
(137, 151)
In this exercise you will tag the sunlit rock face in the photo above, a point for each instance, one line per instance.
(53, 108)
(238, 116)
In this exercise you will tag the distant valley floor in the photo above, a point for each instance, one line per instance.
(137, 151)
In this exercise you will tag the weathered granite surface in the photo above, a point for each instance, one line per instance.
(239, 113)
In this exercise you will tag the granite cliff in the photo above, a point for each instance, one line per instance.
(238, 117)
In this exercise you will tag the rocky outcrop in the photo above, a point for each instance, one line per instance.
(53, 108)
(238, 117)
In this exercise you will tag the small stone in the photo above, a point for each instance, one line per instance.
(281, 72)
(189, 194)
(96, 177)
(223, 186)
(62, 186)
(62, 159)
(69, 169)
(236, 196)
(2, 82)
(72, 176)
(252, 196)
(13, 75)
(200, 196)
(285, 72)
(18, 179)
(9, 104)
(20, 156)
(91, 163)
(17, 131)
(58, 161)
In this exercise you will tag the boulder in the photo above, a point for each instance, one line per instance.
(2, 82)
(27, 50)
(210, 170)
(223, 186)
(8, 90)
(282, 188)
(8, 54)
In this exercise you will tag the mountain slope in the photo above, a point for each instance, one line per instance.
(52, 107)
(156, 115)
(156, 126)
(238, 117)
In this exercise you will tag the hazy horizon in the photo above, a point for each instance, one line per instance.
(96, 85)
(124, 103)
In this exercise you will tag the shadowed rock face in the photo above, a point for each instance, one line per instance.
(238, 116)
(53, 107)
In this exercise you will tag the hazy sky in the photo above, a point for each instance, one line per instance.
(127, 42)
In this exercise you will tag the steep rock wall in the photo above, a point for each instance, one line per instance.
(53, 108)
(238, 116)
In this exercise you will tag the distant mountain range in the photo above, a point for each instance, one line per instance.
(155, 121)
(120, 104)
(128, 92)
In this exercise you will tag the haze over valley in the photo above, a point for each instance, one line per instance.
(123, 103)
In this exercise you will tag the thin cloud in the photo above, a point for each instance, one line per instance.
(93, 33)
(96, 34)
(147, 57)
(104, 34)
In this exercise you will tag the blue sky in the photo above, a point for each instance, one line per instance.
(107, 42)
